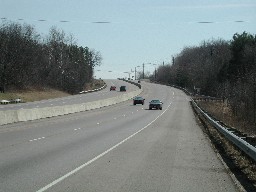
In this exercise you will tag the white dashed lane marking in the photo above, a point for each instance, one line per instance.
(40, 138)
(76, 129)
(98, 157)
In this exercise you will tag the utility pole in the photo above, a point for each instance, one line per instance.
(135, 74)
(155, 73)
(143, 71)
(254, 99)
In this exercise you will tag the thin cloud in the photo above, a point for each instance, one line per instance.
(223, 6)
(212, 6)
(205, 22)
(101, 22)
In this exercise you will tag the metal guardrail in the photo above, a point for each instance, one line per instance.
(134, 83)
(246, 147)
(238, 141)
(5, 102)
(94, 90)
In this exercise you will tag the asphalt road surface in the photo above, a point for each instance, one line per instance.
(116, 148)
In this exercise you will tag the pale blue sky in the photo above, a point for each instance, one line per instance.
(139, 31)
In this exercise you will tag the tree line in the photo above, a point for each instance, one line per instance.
(29, 60)
(219, 68)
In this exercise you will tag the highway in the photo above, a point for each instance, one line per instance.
(117, 148)
(74, 99)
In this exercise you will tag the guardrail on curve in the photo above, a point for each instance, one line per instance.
(236, 140)
(134, 83)
(246, 147)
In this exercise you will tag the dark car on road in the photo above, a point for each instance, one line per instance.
(156, 104)
(138, 100)
(112, 88)
(123, 88)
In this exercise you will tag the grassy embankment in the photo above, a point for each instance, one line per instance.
(37, 94)
(223, 112)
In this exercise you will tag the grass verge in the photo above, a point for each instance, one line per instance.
(222, 112)
(42, 93)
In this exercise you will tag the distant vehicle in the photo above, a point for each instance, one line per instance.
(156, 103)
(16, 100)
(138, 100)
(112, 88)
(4, 102)
(139, 81)
(123, 88)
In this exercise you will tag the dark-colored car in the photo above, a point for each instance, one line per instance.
(156, 104)
(123, 88)
(112, 88)
(138, 100)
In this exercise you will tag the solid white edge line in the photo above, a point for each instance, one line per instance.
(99, 156)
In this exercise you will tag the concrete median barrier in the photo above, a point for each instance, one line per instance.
(12, 116)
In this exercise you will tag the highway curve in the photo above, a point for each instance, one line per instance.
(117, 148)
(74, 99)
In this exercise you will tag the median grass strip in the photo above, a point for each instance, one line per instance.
(41, 93)
(32, 94)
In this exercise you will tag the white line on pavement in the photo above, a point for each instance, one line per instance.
(99, 156)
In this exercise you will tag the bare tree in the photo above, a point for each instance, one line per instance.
(29, 60)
